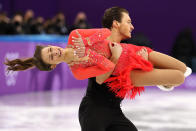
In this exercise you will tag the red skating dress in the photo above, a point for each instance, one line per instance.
(98, 52)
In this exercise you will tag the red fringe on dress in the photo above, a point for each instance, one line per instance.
(121, 84)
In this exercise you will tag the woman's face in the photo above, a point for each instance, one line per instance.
(125, 26)
(52, 54)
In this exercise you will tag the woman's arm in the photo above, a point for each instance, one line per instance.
(89, 36)
(91, 65)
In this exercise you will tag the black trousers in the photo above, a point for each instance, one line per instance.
(96, 116)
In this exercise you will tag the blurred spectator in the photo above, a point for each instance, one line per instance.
(28, 21)
(80, 22)
(4, 21)
(28, 16)
(184, 48)
(37, 26)
(49, 26)
(16, 25)
(60, 26)
(30, 25)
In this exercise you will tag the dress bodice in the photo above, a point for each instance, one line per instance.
(98, 52)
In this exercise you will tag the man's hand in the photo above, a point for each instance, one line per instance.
(116, 51)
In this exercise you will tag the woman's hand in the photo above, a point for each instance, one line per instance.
(143, 53)
(80, 47)
(78, 60)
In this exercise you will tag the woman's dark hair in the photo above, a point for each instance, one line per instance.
(111, 14)
(24, 64)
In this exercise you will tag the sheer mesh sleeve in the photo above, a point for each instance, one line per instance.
(100, 35)
(90, 36)
(137, 48)
(95, 65)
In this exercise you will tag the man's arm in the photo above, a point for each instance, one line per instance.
(101, 78)
(116, 51)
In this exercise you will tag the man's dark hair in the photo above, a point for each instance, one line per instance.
(111, 14)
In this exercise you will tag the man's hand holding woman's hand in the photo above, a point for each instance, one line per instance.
(116, 50)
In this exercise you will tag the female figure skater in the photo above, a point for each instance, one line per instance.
(100, 108)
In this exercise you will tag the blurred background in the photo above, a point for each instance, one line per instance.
(34, 100)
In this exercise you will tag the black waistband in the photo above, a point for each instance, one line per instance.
(104, 101)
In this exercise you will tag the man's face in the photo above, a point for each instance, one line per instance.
(125, 26)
